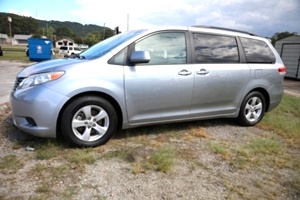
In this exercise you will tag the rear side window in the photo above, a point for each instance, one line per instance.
(215, 49)
(257, 51)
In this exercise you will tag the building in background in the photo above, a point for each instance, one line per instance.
(289, 50)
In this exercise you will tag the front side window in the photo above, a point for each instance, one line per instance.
(120, 58)
(257, 51)
(164, 48)
(215, 49)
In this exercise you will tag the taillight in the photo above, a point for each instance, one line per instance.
(282, 70)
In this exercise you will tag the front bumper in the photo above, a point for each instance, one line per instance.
(35, 110)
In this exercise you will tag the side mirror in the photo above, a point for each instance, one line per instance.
(139, 57)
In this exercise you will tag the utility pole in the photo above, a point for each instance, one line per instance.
(104, 31)
(9, 24)
(127, 22)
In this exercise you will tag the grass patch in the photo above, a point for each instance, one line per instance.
(220, 148)
(143, 159)
(120, 154)
(264, 146)
(81, 156)
(163, 159)
(44, 188)
(49, 150)
(49, 172)
(70, 192)
(14, 48)
(284, 120)
(260, 151)
(10, 162)
(126, 155)
(15, 55)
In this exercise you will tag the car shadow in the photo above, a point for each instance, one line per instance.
(20, 139)
(23, 140)
(173, 127)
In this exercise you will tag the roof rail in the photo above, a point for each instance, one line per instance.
(225, 29)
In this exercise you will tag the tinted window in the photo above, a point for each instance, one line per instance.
(257, 51)
(164, 48)
(215, 49)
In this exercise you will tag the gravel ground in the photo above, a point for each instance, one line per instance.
(209, 164)
(198, 172)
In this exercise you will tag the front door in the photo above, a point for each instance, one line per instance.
(162, 89)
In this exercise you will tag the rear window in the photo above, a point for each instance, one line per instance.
(257, 51)
(215, 49)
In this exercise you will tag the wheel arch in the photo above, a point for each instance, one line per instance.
(266, 95)
(109, 98)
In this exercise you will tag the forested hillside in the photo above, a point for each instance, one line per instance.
(89, 34)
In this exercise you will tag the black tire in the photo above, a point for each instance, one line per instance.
(92, 115)
(252, 109)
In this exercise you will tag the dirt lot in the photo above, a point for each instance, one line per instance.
(213, 159)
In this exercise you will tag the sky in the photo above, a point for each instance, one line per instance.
(263, 17)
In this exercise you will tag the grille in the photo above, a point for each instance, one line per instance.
(17, 82)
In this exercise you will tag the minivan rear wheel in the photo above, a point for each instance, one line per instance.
(88, 121)
(252, 109)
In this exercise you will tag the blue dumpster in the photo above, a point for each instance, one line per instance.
(39, 49)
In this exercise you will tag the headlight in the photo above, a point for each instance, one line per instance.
(39, 79)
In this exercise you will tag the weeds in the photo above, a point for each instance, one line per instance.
(264, 146)
(44, 188)
(163, 159)
(49, 150)
(120, 154)
(69, 192)
(49, 171)
(81, 156)
(284, 120)
(10, 163)
(221, 149)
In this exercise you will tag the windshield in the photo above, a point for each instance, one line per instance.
(107, 45)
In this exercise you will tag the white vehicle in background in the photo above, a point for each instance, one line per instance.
(68, 50)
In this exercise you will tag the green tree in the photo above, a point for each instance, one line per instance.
(50, 32)
(108, 33)
(64, 32)
(280, 35)
(93, 38)
(78, 40)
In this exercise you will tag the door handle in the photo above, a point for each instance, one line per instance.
(184, 72)
(202, 72)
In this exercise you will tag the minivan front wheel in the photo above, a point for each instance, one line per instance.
(88, 121)
(252, 109)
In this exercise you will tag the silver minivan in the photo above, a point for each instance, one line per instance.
(144, 77)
